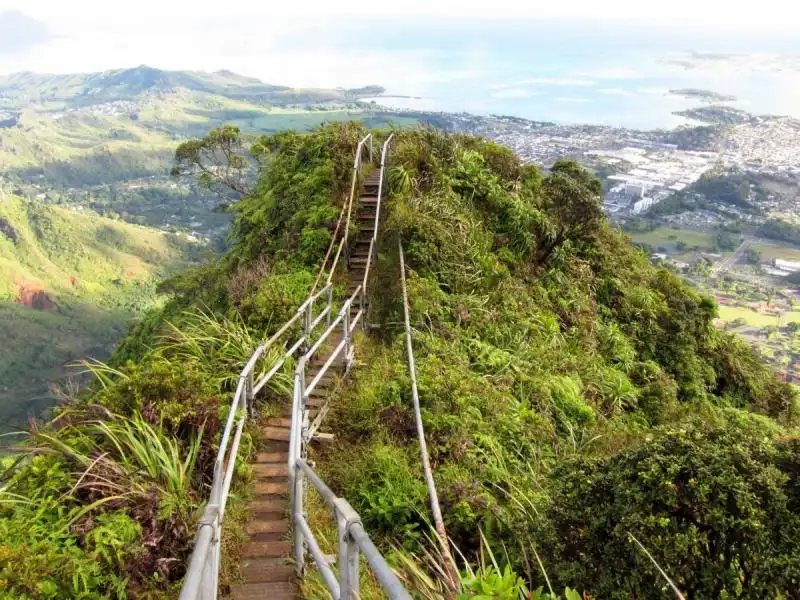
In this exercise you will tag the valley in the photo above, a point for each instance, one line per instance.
(71, 284)
(103, 144)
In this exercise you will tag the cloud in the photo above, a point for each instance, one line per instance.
(571, 99)
(18, 32)
(556, 81)
(611, 73)
(508, 93)
(615, 92)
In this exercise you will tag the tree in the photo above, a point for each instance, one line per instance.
(752, 256)
(711, 503)
(572, 201)
(219, 161)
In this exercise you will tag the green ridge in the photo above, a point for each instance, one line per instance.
(573, 396)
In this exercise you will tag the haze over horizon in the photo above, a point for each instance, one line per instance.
(608, 64)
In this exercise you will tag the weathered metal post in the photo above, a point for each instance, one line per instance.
(348, 551)
(330, 305)
(346, 323)
(249, 384)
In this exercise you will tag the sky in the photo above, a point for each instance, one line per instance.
(345, 43)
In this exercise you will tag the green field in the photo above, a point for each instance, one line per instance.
(751, 317)
(667, 237)
(772, 250)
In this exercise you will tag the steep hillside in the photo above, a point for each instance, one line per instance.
(70, 283)
(102, 140)
(575, 399)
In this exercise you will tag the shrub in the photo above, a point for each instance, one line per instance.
(710, 503)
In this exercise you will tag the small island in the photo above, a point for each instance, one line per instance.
(717, 115)
(702, 95)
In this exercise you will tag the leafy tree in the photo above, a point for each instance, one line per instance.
(572, 203)
(714, 506)
(752, 256)
(219, 161)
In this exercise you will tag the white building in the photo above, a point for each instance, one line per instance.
(787, 265)
(641, 205)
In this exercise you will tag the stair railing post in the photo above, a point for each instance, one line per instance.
(299, 542)
(362, 300)
(348, 551)
(249, 385)
(295, 453)
(346, 324)
(330, 305)
(309, 318)
(341, 559)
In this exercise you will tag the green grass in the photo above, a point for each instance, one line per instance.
(770, 251)
(668, 237)
(751, 317)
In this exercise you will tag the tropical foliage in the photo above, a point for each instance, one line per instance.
(575, 398)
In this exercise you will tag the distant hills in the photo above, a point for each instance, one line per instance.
(75, 145)
(20, 90)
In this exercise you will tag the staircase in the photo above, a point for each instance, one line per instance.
(267, 569)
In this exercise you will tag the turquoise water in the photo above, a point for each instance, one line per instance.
(585, 73)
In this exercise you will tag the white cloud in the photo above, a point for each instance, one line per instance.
(612, 73)
(510, 93)
(555, 81)
(304, 44)
(572, 100)
(615, 92)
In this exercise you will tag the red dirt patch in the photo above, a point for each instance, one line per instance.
(35, 296)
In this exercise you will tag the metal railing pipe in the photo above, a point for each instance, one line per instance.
(194, 574)
(438, 521)
(327, 494)
(319, 558)
(383, 572)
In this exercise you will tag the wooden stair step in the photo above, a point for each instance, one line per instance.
(279, 422)
(270, 504)
(272, 469)
(277, 433)
(274, 590)
(272, 457)
(368, 200)
(272, 548)
(273, 526)
(272, 487)
(261, 570)
(275, 446)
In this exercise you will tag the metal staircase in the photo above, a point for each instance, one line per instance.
(272, 562)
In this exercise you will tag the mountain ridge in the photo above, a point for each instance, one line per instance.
(86, 89)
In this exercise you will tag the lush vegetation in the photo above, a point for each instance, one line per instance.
(575, 398)
(715, 190)
(70, 284)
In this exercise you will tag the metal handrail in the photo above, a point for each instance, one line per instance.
(332, 245)
(449, 564)
(353, 540)
(203, 572)
(353, 189)
(373, 242)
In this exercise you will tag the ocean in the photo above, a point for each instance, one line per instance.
(585, 73)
